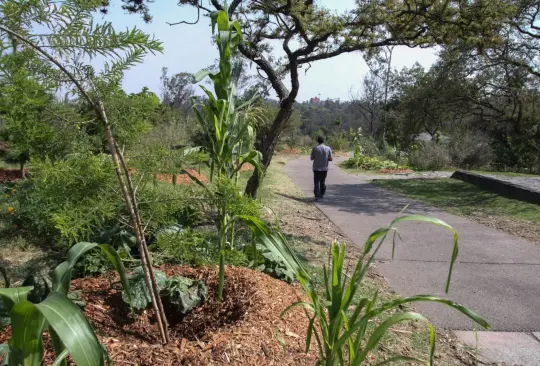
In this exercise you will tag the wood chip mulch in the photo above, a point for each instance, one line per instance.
(396, 171)
(246, 329)
(10, 175)
(182, 178)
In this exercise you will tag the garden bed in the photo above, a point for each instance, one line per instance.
(182, 178)
(244, 330)
(10, 175)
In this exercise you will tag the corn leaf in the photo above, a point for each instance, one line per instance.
(27, 325)
(11, 296)
(72, 327)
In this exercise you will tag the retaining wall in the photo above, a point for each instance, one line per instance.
(505, 189)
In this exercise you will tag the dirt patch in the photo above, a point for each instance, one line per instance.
(10, 175)
(528, 230)
(243, 330)
(396, 171)
(291, 151)
(182, 178)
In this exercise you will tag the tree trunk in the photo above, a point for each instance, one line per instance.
(269, 145)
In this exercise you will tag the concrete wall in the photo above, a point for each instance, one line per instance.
(505, 189)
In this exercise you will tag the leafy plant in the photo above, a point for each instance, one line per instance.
(70, 331)
(185, 294)
(339, 318)
(228, 129)
(269, 262)
(181, 292)
(368, 163)
(138, 291)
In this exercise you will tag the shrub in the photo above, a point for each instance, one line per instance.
(367, 163)
(194, 247)
(430, 156)
(471, 150)
(338, 142)
(68, 200)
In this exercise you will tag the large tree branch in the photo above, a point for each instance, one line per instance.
(273, 76)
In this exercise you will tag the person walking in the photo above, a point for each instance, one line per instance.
(320, 155)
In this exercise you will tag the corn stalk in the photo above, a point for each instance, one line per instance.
(124, 180)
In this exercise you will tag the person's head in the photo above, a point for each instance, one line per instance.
(320, 139)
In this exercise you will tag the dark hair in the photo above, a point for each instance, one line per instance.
(320, 139)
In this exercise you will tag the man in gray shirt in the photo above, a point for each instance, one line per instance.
(320, 155)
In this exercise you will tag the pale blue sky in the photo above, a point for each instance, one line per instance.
(188, 48)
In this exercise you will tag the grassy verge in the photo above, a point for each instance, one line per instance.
(505, 174)
(461, 198)
(310, 234)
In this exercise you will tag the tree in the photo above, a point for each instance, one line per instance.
(177, 89)
(308, 32)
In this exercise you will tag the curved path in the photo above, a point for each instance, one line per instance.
(496, 274)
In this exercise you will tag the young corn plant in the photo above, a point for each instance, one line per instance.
(70, 331)
(226, 124)
(343, 336)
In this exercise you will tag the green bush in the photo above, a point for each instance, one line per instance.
(70, 199)
(368, 163)
(271, 263)
(430, 156)
(194, 247)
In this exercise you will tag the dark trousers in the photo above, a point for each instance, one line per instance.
(319, 179)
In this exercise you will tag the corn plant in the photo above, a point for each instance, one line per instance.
(70, 331)
(226, 124)
(341, 334)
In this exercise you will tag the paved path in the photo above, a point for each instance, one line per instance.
(497, 275)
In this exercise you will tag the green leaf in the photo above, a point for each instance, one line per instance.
(27, 325)
(61, 358)
(11, 296)
(59, 347)
(116, 261)
(387, 324)
(73, 329)
(62, 273)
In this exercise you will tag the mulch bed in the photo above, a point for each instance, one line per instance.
(243, 330)
(10, 175)
(182, 178)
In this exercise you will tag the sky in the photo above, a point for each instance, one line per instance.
(188, 48)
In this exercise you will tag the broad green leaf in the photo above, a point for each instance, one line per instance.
(116, 261)
(59, 347)
(27, 326)
(62, 273)
(12, 296)
(61, 358)
(430, 298)
(72, 327)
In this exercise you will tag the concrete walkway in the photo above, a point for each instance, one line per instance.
(496, 275)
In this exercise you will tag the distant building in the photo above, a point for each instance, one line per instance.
(315, 101)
